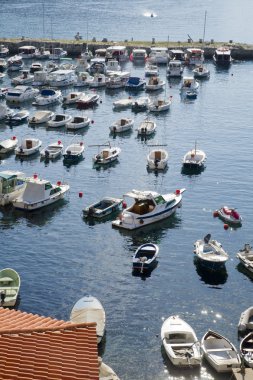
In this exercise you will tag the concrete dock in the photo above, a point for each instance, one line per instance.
(245, 374)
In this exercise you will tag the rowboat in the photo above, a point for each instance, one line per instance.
(9, 287)
(145, 257)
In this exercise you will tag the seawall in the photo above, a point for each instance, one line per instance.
(74, 48)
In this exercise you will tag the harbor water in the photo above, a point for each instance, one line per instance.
(60, 256)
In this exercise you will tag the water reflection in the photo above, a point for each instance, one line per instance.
(190, 172)
(147, 273)
(210, 277)
(241, 268)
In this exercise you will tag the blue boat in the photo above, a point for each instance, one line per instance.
(145, 257)
(135, 83)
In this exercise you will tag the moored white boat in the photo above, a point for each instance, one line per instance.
(115, 81)
(52, 151)
(201, 72)
(151, 69)
(39, 193)
(27, 52)
(73, 152)
(87, 100)
(175, 69)
(157, 158)
(8, 145)
(138, 55)
(78, 122)
(246, 319)
(42, 53)
(194, 56)
(18, 117)
(158, 55)
(222, 56)
(48, 96)
(4, 51)
(36, 66)
(189, 83)
(24, 78)
(82, 79)
(122, 125)
(148, 207)
(21, 94)
(59, 120)
(5, 111)
(72, 97)
(122, 103)
(154, 84)
(118, 53)
(106, 155)
(15, 63)
(61, 78)
(12, 184)
(210, 253)
(9, 287)
(141, 104)
(220, 353)
(98, 80)
(180, 342)
(58, 53)
(194, 159)
(102, 208)
(145, 257)
(245, 256)
(28, 146)
(146, 127)
(160, 105)
(246, 349)
(41, 117)
(89, 309)
(112, 65)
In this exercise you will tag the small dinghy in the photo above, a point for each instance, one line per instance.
(72, 97)
(78, 122)
(87, 100)
(36, 66)
(41, 117)
(210, 253)
(28, 147)
(246, 349)
(229, 215)
(245, 256)
(246, 320)
(220, 353)
(59, 120)
(194, 159)
(73, 152)
(151, 69)
(189, 84)
(99, 80)
(145, 257)
(82, 79)
(141, 104)
(106, 372)
(9, 287)
(24, 78)
(146, 128)
(105, 207)
(122, 125)
(7, 146)
(160, 105)
(122, 103)
(180, 342)
(89, 309)
(18, 117)
(201, 72)
(157, 158)
(52, 151)
(39, 193)
(155, 84)
(106, 155)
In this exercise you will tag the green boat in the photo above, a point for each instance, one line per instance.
(9, 287)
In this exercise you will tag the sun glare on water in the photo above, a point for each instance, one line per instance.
(149, 14)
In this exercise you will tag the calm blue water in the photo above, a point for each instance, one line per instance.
(61, 257)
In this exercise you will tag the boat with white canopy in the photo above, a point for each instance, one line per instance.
(175, 69)
(8, 145)
(12, 185)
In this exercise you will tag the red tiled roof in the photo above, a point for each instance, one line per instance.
(39, 348)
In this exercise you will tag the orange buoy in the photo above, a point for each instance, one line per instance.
(178, 192)
(124, 205)
(226, 226)
(58, 183)
(80, 194)
(35, 176)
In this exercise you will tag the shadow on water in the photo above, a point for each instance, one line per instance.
(210, 277)
(190, 172)
(157, 172)
(99, 167)
(241, 268)
(32, 157)
(146, 274)
(68, 163)
(90, 221)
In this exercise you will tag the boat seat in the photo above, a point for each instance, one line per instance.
(10, 292)
(219, 349)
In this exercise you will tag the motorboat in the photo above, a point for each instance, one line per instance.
(103, 208)
(100, 53)
(41, 117)
(148, 207)
(3, 64)
(8, 145)
(59, 120)
(151, 69)
(67, 66)
(82, 65)
(48, 96)
(176, 55)
(222, 56)
(9, 287)
(145, 257)
(229, 215)
(112, 65)
(21, 94)
(154, 84)
(180, 342)
(88, 100)
(194, 56)
(3, 91)
(15, 63)
(138, 55)
(97, 65)
(135, 84)
(115, 81)
(87, 54)
(189, 84)
(118, 53)
(27, 52)
(106, 372)
(89, 309)
(83, 79)
(52, 151)
(201, 72)
(28, 147)
(158, 55)
(140, 104)
(72, 97)
(220, 353)
(40, 193)
(73, 152)
(146, 128)
(175, 69)
(4, 51)
(24, 78)
(12, 184)
(78, 122)
(122, 125)
(210, 253)
(99, 80)
(246, 349)
(107, 155)
(61, 78)
(246, 320)
(160, 105)
(42, 53)
(157, 158)
(40, 78)
(36, 66)
(122, 103)
(5, 111)
(18, 117)
(245, 255)
(194, 159)
(58, 53)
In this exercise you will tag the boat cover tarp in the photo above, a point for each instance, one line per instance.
(47, 92)
(89, 315)
(134, 81)
(34, 192)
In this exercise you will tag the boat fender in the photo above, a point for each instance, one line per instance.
(141, 221)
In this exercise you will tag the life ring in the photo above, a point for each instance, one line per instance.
(141, 221)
